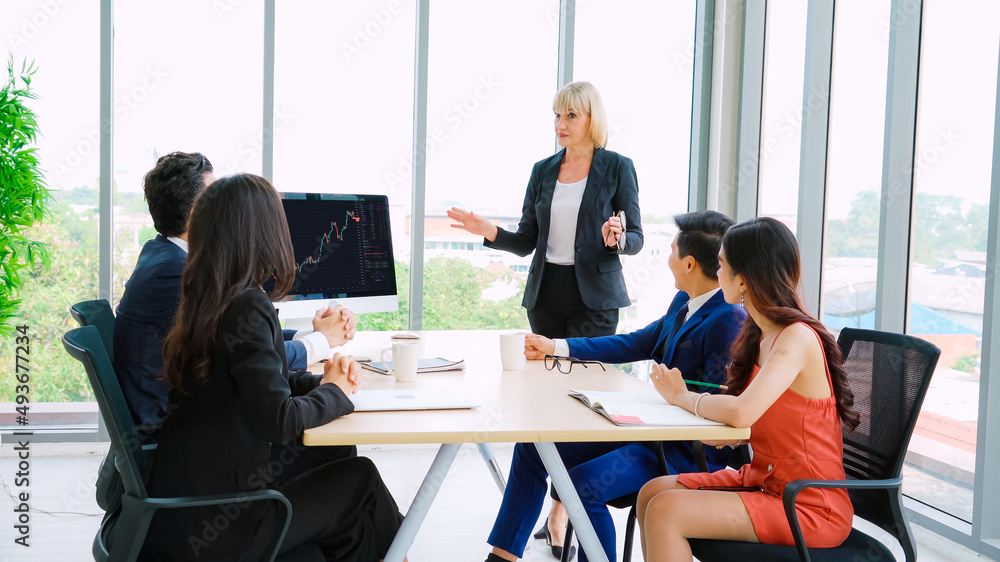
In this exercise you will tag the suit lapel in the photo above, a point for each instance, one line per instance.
(598, 169)
(692, 323)
(549, 177)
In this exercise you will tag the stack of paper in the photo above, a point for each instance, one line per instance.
(431, 365)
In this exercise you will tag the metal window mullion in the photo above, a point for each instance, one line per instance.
(105, 274)
(566, 47)
(567, 42)
(419, 166)
(701, 105)
(813, 155)
(748, 120)
(267, 133)
(986, 493)
(106, 170)
(897, 167)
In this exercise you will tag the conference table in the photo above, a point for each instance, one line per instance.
(530, 405)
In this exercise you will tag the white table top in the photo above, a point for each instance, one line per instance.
(531, 405)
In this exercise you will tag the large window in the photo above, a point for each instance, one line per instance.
(854, 163)
(952, 167)
(639, 54)
(343, 115)
(489, 118)
(63, 40)
(187, 77)
(783, 110)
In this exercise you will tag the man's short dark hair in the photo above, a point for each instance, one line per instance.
(171, 187)
(700, 235)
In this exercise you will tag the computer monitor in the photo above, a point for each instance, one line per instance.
(343, 255)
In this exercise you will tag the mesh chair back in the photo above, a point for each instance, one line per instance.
(86, 346)
(98, 314)
(889, 375)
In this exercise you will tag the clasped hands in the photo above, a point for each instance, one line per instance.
(343, 371)
(338, 324)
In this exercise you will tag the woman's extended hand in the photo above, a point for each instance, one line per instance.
(611, 231)
(535, 346)
(471, 222)
(343, 371)
(668, 383)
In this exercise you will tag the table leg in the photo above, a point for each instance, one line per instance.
(422, 502)
(491, 463)
(567, 493)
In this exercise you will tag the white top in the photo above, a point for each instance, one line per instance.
(561, 246)
(562, 348)
(316, 344)
(182, 244)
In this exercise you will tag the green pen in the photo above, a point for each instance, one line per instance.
(708, 384)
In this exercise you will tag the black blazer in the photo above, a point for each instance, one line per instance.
(217, 439)
(611, 187)
(145, 316)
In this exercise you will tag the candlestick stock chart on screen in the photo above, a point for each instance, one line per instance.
(343, 253)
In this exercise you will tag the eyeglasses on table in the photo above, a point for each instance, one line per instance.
(565, 364)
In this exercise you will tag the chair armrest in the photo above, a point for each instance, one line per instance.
(661, 459)
(220, 499)
(793, 488)
(141, 512)
(698, 450)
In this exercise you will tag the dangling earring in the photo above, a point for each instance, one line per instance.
(743, 303)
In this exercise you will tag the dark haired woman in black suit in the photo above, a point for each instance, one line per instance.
(231, 397)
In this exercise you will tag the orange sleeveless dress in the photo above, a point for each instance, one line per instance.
(797, 437)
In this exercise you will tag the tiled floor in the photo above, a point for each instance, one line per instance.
(455, 529)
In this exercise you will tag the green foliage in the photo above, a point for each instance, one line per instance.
(942, 225)
(24, 196)
(965, 362)
(857, 236)
(453, 300)
(55, 376)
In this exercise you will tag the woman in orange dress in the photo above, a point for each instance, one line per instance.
(787, 383)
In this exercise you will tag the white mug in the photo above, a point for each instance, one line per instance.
(411, 338)
(405, 355)
(512, 351)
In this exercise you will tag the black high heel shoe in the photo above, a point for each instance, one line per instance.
(557, 550)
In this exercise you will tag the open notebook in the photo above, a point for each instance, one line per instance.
(637, 408)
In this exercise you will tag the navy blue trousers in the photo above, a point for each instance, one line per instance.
(600, 472)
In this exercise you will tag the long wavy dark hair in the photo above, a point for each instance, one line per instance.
(238, 238)
(765, 253)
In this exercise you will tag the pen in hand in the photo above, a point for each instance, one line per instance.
(708, 384)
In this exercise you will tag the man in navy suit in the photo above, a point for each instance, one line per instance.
(694, 336)
(146, 312)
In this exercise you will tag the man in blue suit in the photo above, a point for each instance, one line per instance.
(694, 336)
(146, 312)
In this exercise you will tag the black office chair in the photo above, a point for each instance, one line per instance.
(97, 313)
(121, 535)
(628, 502)
(889, 375)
